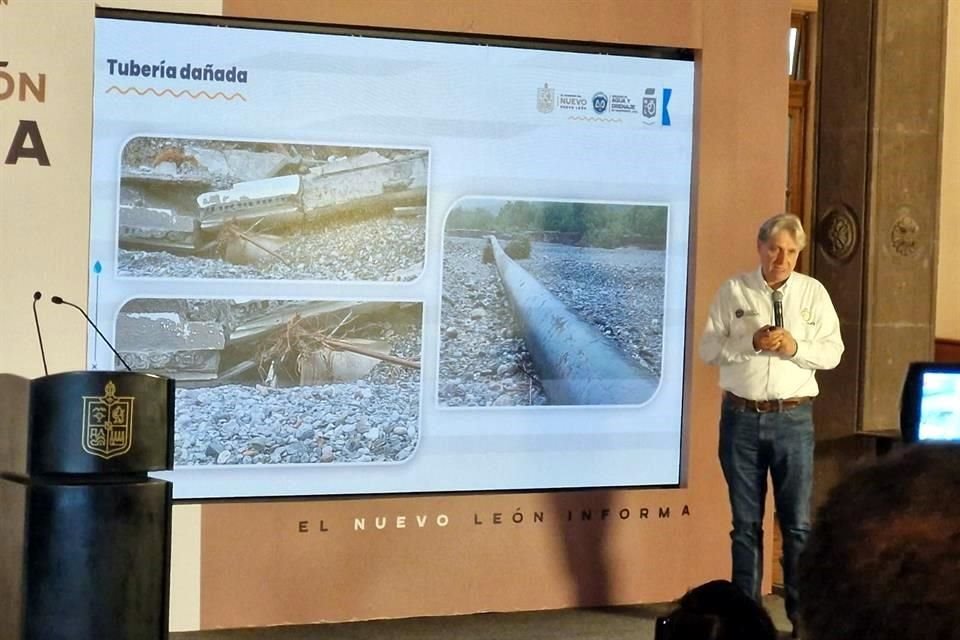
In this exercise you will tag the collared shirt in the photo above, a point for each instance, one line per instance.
(743, 305)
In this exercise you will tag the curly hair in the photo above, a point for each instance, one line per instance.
(717, 610)
(883, 559)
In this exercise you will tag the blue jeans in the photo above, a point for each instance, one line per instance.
(751, 444)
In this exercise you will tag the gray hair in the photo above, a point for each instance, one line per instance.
(783, 222)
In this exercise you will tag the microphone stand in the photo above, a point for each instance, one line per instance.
(59, 300)
(36, 320)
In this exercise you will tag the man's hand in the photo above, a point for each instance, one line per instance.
(776, 340)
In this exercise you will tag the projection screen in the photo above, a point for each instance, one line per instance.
(381, 262)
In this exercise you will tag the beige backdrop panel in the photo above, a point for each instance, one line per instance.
(948, 292)
(274, 573)
(673, 23)
(740, 164)
(402, 557)
(45, 214)
(44, 210)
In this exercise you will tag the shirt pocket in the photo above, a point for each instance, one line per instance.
(745, 322)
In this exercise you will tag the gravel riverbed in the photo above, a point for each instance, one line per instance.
(483, 358)
(381, 249)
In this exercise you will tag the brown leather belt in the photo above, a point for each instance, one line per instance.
(766, 406)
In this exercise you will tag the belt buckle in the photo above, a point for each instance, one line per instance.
(768, 406)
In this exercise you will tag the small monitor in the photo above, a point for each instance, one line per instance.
(930, 403)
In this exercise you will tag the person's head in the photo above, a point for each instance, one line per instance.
(717, 610)
(779, 243)
(883, 559)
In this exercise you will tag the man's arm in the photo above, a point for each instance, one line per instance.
(717, 346)
(824, 349)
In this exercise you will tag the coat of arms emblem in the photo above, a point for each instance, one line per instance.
(546, 98)
(107, 423)
(649, 106)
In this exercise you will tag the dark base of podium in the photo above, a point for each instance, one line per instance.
(84, 561)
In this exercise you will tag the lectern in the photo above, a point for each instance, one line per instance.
(84, 531)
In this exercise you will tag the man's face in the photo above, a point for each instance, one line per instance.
(778, 257)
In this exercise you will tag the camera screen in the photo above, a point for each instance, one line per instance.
(940, 406)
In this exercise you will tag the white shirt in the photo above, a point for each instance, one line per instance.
(743, 305)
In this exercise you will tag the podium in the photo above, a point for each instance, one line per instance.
(84, 531)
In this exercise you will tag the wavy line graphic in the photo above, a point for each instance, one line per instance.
(175, 94)
(594, 119)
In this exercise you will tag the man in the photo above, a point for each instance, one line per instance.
(769, 331)
(883, 561)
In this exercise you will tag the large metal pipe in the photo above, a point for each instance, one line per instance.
(577, 364)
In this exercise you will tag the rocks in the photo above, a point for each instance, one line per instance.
(474, 311)
(383, 249)
(305, 433)
(372, 420)
(483, 358)
(621, 291)
(507, 370)
(213, 450)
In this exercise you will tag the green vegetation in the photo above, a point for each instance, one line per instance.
(585, 224)
(518, 248)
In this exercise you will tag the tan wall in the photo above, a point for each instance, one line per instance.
(44, 215)
(467, 566)
(247, 561)
(948, 292)
(44, 211)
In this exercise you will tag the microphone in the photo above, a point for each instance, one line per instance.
(59, 300)
(36, 320)
(778, 308)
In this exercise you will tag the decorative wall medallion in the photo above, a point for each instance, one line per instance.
(837, 233)
(905, 235)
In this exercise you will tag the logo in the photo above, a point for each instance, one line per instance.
(649, 105)
(107, 423)
(546, 98)
(622, 104)
(572, 102)
(599, 102)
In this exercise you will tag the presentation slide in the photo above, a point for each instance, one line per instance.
(377, 263)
